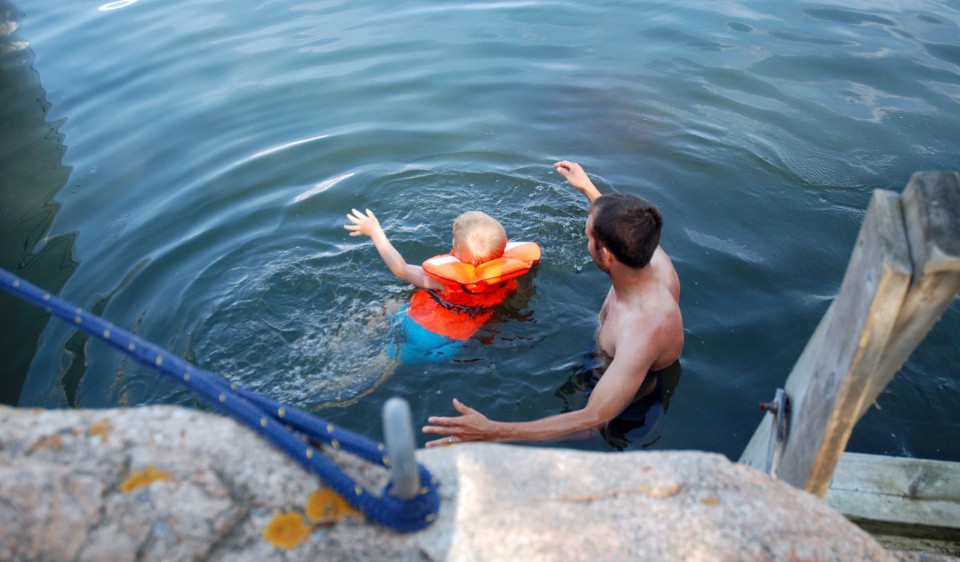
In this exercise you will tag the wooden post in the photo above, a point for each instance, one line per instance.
(887, 303)
(931, 212)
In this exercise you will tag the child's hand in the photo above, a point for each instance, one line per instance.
(363, 224)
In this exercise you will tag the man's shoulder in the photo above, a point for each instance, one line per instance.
(666, 274)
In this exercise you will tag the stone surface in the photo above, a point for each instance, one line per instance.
(62, 497)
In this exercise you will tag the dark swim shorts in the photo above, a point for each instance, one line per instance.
(638, 425)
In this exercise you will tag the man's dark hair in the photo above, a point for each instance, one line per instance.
(627, 225)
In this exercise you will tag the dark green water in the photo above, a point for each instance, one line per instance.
(184, 168)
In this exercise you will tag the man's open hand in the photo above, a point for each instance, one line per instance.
(471, 425)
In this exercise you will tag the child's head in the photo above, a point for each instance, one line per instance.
(478, 237)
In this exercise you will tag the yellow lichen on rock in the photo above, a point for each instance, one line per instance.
(101, 428)
(145, 477)
(664, 490)
(54, 441)
(325, 506)
(286, 530)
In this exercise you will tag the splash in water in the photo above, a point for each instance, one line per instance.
(296, 331)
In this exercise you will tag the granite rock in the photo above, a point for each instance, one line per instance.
(214, 486)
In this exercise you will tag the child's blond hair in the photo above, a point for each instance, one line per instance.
(478, 237)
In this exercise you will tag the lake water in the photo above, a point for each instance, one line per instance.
(184, 168)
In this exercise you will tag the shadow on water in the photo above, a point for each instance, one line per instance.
(31, 156)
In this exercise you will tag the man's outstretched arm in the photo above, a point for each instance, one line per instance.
(614, 391)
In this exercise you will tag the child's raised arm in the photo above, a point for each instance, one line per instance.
(368, 225)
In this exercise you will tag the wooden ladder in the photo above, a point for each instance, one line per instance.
(903, 274)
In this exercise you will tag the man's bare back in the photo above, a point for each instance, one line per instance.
(658, 303)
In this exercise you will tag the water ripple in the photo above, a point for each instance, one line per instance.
(229, 142)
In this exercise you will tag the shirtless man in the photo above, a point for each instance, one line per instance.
(641, 329)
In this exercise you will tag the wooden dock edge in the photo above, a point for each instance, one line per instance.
(903, 273)
(903, 502)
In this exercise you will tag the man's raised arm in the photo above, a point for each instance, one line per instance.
(577, 178)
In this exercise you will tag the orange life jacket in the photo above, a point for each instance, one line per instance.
(477, 287)
(486, 284)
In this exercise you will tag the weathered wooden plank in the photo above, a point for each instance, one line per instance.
(901, 496)
(825, 385)
(917, 479)
(931, 210)
(904, 272)
(756, 453)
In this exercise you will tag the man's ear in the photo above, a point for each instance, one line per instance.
(606, 257)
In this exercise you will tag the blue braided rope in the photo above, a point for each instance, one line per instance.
(290, 429)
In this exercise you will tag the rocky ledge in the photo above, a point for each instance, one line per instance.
(168, 483)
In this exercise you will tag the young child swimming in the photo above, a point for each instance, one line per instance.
(461, 288)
